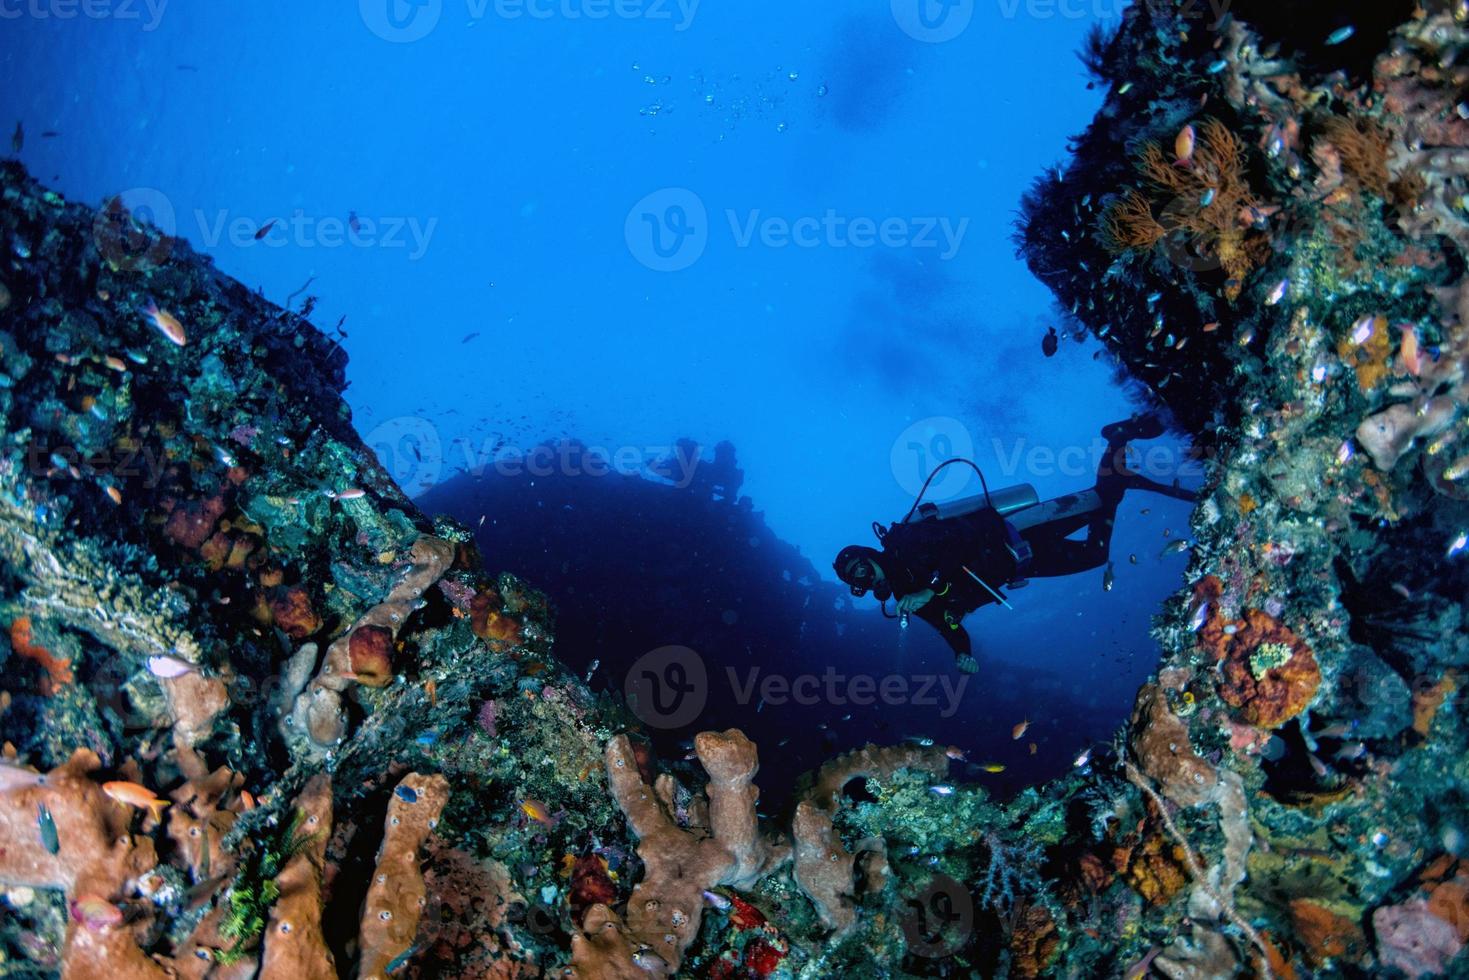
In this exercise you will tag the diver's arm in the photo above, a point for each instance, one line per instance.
(915, 601)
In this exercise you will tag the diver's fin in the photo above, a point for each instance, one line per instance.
(1145, 426)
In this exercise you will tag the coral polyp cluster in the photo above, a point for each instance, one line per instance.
(1199, 197)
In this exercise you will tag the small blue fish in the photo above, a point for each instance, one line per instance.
(428, 738)
(1208, 197)
(941, 790)
(1340, 35)
(1218, 66)
(401, 960)
(407, 794)
(1176, 547)
(47, 827)
(1199, 616)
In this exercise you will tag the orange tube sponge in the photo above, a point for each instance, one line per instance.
(64, 832)
(294, 944)
(824, 867)
(396, 897)
(1161, 745)
(317, 710)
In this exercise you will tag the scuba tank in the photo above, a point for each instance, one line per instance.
(1005, 502)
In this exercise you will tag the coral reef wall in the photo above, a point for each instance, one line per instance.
(1265, 224)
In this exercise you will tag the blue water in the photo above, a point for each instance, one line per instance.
(783, 225)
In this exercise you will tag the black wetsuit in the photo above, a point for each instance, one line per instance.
(933, 553)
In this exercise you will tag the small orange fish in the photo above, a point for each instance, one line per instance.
(246, 800)
(955, 753)
(1339, 196)
(432, 690)
(1410, 353)
(1018, 732)
(131, 794)
(166, 324)
(1183, 145)
(536, 810)
(1211, 327)
(114, 495)
(115, 363)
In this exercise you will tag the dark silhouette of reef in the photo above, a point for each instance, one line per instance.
(633, 563)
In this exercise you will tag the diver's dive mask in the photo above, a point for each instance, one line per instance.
(855, 567)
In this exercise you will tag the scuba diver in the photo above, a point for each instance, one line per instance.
(946, 562)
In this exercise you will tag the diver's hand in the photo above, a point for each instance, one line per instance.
(916, 601)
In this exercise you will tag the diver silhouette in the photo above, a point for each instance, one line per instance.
(943, 562)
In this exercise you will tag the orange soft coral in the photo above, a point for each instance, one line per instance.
(1325, 934)
(489, 620)
(1155, 869)
(22, 641)
(1362, 148)
(1371, 357)
(1207, 197)
(1033, 942)
(1130, 224)
(291, 610)
(1269, 675)
(1427, 699)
